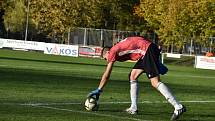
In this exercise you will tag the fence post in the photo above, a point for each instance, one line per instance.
(162, 58)
(191, 46)
(68, 41)
(26, 29)
(85, 36)
(210, 49)
(172, 46)
(102, 40)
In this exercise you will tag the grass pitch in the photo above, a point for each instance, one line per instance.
(38, 87)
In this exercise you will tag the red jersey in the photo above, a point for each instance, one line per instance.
(131, 48)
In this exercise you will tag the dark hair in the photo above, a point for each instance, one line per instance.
(152, 36)
(104, 50)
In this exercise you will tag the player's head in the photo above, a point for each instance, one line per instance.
(105, 52)
(152, 36)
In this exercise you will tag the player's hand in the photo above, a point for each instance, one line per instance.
(162, 69)
(95, 93)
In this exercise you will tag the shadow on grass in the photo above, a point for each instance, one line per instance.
(60, 62)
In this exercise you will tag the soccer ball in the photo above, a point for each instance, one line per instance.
(91, 104)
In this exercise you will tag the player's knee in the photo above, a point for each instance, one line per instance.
(154, 84)
(135, 73)
(132, 76)
(155, 81)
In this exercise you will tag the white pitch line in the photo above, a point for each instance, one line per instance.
(199, 101)
(117, 102)
(91, 113)
(48, 106)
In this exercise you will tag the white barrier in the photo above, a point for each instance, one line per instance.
(1, 43)
(20, 44)
(205, 62)
(60, 49)
(48, 48)
(90, 51)
(172, 55)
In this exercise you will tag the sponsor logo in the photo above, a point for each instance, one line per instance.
(91, 51)
(209, 60)
(62, 50)
(137, 51)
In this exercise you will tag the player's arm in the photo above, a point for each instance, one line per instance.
(104, 80)
(106, 75)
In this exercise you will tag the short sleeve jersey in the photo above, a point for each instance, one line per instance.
(131, 48)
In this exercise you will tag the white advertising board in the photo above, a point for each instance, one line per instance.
(172, 55)
(60, 49)
(20, 44)
(1, 43)
(205, 62)
(90, 51)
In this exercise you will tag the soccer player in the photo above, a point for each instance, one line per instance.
(147, 55)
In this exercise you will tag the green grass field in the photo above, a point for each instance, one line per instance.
(38, 87)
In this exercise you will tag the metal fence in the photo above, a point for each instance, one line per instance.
(192, 46)
(104, 37)
(97, 37)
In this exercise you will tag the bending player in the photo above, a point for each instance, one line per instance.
(147, 55)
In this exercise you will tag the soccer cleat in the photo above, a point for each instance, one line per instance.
(177, 113)
(131, 111)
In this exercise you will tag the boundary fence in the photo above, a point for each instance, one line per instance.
(103, 37)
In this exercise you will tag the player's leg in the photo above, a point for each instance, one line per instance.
(151, 67)
(134, 90)
(165, 91)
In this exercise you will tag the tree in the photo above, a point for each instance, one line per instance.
(2, 29)
(116, 14)
(173, 18)
(15, 16)
(61, 16)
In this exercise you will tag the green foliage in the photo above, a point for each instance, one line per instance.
(190, 18)
(170, 18)
(2, 4)
(61, 16)
(15, 16)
